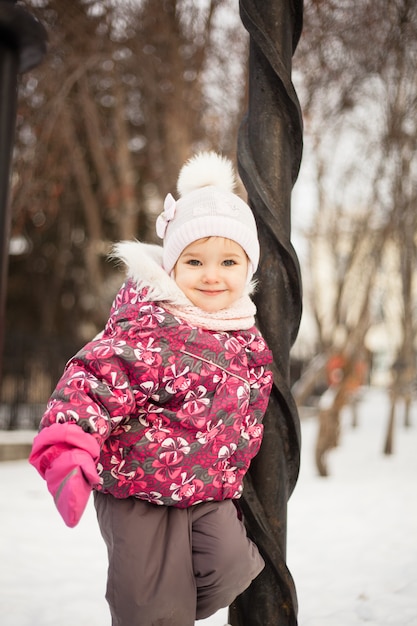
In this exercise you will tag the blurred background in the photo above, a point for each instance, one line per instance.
(128, 91)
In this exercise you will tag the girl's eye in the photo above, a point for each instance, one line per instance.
(229, 262)
(194, 262)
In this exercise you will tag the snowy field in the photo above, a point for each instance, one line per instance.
(352, 538)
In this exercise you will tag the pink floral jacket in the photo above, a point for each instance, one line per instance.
(176, 408)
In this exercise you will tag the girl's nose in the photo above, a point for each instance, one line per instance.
(210, 275)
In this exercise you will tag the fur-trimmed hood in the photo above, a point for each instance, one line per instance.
(144, 266)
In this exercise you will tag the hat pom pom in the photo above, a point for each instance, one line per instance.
(204, 169)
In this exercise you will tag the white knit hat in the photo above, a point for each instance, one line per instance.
(207, 207)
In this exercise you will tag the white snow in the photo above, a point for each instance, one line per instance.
(352, 542)
(352, 537)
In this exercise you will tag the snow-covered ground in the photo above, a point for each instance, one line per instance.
(352, 538)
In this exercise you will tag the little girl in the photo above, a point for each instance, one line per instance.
(161, 413)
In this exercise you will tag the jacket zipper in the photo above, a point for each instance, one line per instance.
(220, 367)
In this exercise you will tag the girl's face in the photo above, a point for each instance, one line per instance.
(212, 273)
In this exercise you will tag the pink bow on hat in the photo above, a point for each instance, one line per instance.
(166, 216)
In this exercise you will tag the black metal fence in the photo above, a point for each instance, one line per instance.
(32, 366)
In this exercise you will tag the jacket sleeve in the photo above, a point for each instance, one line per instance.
(101, 387)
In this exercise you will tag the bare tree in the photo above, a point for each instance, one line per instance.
(359, 99)
(127, 92)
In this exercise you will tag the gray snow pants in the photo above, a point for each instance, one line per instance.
(170, 566)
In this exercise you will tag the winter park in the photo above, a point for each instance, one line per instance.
(208, 297)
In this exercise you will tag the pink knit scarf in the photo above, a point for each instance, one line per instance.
(240, 316)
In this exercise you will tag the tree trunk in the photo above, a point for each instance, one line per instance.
(106, 180)
(407, 410)
(389, 439)
(328, 437)
(128, 209)
(329, 427)
(90, 206)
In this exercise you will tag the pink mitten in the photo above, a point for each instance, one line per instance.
(70, 479)
(66, 456)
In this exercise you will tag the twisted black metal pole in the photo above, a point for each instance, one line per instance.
(22, 47)
(269, 156)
